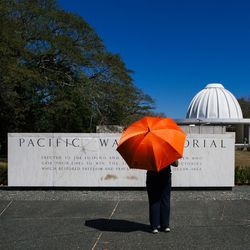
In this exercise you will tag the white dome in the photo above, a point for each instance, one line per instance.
(214, 102)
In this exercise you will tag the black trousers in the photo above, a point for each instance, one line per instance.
(159, 190)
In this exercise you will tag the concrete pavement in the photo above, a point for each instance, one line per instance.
(84, 219)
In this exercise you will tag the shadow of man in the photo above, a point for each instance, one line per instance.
(113, 225)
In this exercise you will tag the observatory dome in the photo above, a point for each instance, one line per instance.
(214, 102)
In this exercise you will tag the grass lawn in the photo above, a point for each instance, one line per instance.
(242, 158)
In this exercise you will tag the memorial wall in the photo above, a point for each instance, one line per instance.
(91, 160)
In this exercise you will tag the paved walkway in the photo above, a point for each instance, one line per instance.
(81, 219)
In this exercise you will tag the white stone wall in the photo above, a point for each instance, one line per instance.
(91, 160)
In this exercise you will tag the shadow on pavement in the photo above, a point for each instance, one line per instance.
(114, 225)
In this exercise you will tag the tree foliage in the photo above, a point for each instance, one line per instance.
(245, 106)
(57, 76)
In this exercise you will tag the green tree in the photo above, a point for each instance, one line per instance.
(57, 76)
(245, 106)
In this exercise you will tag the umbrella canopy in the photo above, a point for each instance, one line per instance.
(152, 143)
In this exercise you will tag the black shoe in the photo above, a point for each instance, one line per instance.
(166, 229)
(155, 231)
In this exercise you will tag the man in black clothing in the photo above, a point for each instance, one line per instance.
(159, 190)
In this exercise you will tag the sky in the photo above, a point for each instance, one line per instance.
(175, 47)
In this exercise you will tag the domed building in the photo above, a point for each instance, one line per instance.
(214, 102)
(216, 106)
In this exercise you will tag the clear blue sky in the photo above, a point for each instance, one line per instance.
(175, 47)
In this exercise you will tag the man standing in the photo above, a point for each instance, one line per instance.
(159, 190)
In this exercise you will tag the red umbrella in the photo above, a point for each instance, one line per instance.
(152, 143)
